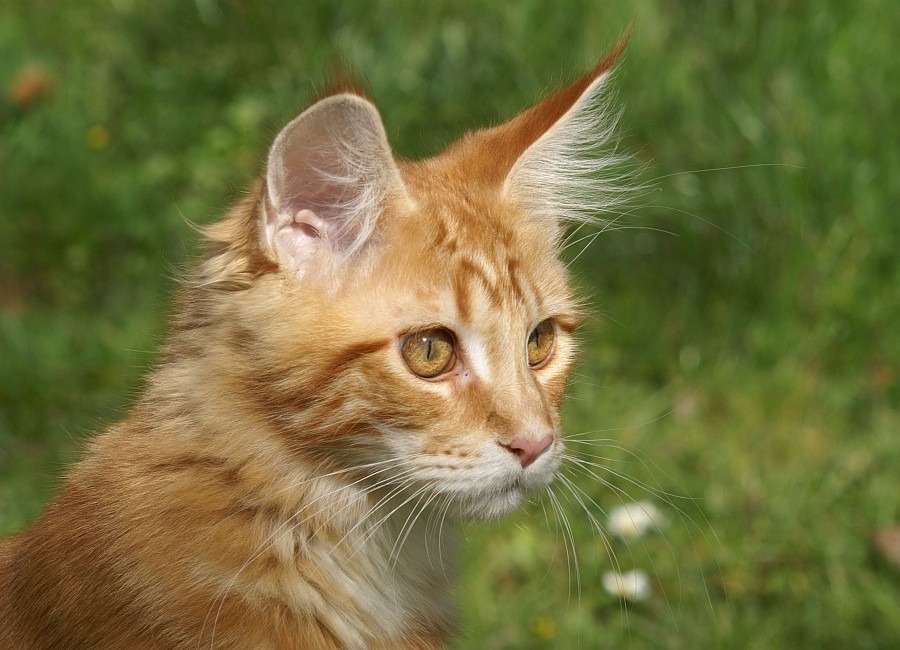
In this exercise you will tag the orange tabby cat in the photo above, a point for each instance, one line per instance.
(369, 345)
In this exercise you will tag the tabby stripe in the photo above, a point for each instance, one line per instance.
(471, 269)
(512, 274)
(351, 354)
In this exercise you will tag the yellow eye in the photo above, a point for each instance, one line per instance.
(540, 343)
(429, 353)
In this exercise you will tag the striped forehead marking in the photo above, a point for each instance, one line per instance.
(486, 265)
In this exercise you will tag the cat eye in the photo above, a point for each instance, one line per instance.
(540, 343)
(429, 353)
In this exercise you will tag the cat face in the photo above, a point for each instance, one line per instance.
(410, 324)
(477, 316)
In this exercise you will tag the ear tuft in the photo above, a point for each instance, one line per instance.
(573, 172)
(328, 176)
(570, 170)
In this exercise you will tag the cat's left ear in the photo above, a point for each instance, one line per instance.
(552, 157)
(329, 174)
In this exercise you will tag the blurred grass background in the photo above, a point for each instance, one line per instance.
(744, 367)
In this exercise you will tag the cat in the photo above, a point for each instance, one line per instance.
(368, 347)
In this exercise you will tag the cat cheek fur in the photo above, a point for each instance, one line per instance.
(278, 481)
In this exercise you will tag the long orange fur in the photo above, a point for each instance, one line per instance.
(282, 481)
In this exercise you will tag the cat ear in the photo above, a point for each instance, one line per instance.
(553, 153)
(328, 175)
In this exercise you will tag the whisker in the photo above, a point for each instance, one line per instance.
(408, 525)
(577, 493)
(290, 524)
(669, 546)
(587, 468)
(568, 532)
(725, 169)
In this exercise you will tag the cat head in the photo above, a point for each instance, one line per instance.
(411, 322)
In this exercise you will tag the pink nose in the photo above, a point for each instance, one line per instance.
(527, 450)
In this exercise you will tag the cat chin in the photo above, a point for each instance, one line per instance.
(492, 506)
(499, 502)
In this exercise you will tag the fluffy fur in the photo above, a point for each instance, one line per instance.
(283, 481)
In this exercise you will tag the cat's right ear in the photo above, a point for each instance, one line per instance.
(329, 175)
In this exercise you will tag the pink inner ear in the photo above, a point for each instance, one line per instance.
(302, 236)
(298, 238)
(317, 179)
(329, 172)
(309, 224)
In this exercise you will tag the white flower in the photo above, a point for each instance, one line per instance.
(631, 520)
(631, 585)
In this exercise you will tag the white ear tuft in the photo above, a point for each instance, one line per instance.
(566, 175)
(328, 175)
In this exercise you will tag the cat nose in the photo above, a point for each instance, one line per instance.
(528, 450)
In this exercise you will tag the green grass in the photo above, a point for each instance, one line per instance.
(744, 362)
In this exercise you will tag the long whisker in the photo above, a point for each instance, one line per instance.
(725, 169)
(371, 531)
(665, 538)
(568, 532)
(670, 498)
(578, 493)
(291, 523)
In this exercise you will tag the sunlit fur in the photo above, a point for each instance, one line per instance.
(285, 480)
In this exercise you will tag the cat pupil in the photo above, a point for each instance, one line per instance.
(540, 343)
(430, 353)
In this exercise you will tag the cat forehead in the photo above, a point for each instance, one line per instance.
(466, 258)
(456, 211)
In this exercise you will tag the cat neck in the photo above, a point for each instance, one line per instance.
(279, 523)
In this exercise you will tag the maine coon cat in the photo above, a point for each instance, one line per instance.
(368, 347)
